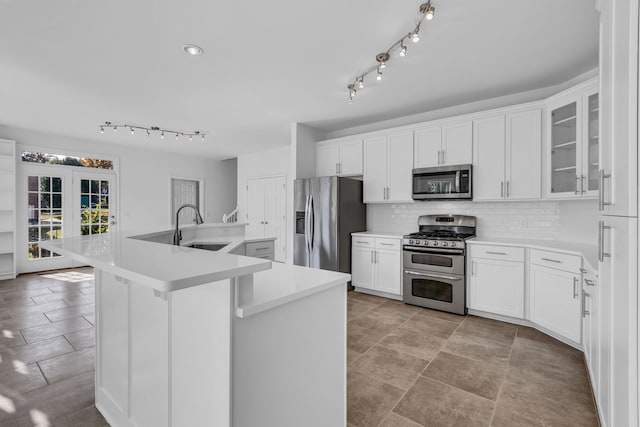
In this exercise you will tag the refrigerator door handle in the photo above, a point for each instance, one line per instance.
(306, 224)
(312, 221)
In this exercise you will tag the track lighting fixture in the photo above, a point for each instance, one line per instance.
(426, 13)
(151, 129)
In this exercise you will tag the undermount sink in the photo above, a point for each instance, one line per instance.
(208, 246)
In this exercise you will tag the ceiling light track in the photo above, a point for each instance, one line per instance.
(155, 129)
(426, 12)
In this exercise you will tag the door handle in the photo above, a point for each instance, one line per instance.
(601, 202)
(575, 287)
(495, 253)
(313, 220)
(501, 189)
(388, 192)
(436, 276)
(443, 158)
(371, 257)
(577, 185)
(601, 253)
(585, 312)
(306, 224)
(582, 184)
(589, 282)
(551, 260)
(507, 189)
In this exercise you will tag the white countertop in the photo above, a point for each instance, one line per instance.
(161, 266)
(384, 234)
(285, 283)
(588, 252)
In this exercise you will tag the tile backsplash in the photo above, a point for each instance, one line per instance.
(532, 220)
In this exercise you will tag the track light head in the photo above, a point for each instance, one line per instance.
(403, 49)
(361, 83)
(415, 37)
(382, 59)
(428, 10)
(379, 76)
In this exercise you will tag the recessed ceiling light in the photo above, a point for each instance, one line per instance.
(192, 49)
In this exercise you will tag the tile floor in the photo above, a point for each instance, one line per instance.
(47, 350)
(411, 367)
(408, 366)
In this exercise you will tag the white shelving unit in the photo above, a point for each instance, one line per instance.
(7, 209)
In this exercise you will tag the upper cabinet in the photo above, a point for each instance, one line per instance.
(572, 143)
(7, 209)
(388, 161)
(507, 151)
(341, 157)
(444, 144)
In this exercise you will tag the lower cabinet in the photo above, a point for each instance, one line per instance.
(590, 326)
(555, 300)
(261, 249)
(376, 264)
(497, 286)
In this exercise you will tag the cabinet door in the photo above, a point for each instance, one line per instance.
(351, 157)
(400, 177)
(362, 267)
(427, 147)
(555, 301)
(618, 320)
(524, 155)
(488, 158)
(497, 286)
(457, 143)
(375, 169)
(388, 277)
(591, 137)
(327, 159)
(590, 329)
(564, 139)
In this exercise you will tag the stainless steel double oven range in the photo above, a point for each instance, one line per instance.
(434, 262)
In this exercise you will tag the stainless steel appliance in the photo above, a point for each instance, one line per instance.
(442, 182)
(434, 262)
(327, 211)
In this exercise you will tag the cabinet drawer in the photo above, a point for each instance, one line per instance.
(556, 260)
(393, 244)
(505, 253)
(363, 242)
(258, 249)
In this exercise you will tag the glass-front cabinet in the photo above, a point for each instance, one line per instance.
(572, 141)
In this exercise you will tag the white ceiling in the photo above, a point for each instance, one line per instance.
(68, 65)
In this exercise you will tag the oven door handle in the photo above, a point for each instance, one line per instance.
(442, 251)
(436, 276)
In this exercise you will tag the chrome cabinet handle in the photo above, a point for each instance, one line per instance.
(360, 241)
(501, 189)
(386, 244)
(582, 191)
(552, 260)
(388, 193)
(601, 253)
(443, 158)
(371, 257)
(589, 282)
(507, 189)
(495, 253)
(577, 185)
(575, 287)
(375, 257)
(438, 157)
(585, 312)
(261, 249)
(436, 276)
(601, 202)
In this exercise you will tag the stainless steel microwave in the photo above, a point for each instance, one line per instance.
(443, 183)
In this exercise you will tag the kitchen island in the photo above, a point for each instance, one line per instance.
(188, 337)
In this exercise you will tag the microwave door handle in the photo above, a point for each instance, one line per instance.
(458, 190)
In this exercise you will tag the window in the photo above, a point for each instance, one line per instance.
(44, 210)
(60, 159)
(94, 206)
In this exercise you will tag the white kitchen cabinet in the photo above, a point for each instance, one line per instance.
(590, 326)
(573, 139)
(497, 286)
(555, 300)
(444, 144)
(507, 150)
(266, 204)
(618, 279)
(342, 157)
(376, 264)
(388, 161)
(7, 210)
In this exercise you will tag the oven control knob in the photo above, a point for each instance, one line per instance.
(435, 243)
(411, 242)
(426, 242)
(445, 244)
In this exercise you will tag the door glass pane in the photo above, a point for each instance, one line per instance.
(563, 149)
(44, 193)
(593, 159)
(94, 206)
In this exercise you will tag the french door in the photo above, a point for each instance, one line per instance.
(56, 202)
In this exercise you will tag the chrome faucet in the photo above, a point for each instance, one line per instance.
(177, 235)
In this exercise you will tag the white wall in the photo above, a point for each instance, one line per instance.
(547, 220)
(144, 180)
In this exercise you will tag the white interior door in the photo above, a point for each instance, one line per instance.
(255, 207)
(184, 191)
(274, 214)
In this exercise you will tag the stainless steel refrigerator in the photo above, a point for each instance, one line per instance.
(327, 211)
